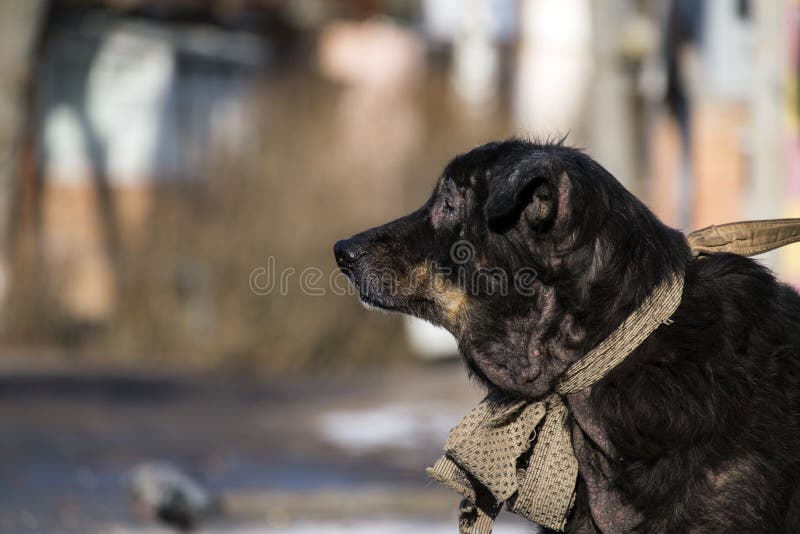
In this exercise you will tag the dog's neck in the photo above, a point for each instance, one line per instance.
(596, 457)
(580, 300)
(601, 283)
(600, 308)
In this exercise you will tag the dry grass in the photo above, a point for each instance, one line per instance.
(301, 181)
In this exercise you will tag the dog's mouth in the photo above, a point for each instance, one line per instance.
(366, 294)
(376, 304)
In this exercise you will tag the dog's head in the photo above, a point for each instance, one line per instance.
(528, 253)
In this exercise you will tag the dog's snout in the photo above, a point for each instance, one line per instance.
(347, 252)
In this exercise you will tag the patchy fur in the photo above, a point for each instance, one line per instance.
(698, 430)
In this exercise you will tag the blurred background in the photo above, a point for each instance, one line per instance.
(175, 339)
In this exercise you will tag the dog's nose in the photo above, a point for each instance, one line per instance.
(347, 252)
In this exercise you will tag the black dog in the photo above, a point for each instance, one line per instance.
(698, 430)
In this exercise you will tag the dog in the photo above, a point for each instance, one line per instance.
(697, 430)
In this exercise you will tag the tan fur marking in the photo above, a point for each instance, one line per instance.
(420, 276)
(451, 299)
(454, 303)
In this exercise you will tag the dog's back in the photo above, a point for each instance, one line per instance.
(706, 414)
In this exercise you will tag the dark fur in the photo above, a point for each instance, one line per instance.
(699, 429)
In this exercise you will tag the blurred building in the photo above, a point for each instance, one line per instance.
(127, 103)
(716, 149)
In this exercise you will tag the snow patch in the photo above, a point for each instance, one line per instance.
(388, 426)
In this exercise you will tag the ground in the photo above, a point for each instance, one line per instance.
(323, 454)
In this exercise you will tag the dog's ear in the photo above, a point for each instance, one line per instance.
(525, 193)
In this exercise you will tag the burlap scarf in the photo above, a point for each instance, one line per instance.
(496, 456)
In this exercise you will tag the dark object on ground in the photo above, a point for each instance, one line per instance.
(531, 254)
(170, 495)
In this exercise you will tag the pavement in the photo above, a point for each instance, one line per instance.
(325, 454)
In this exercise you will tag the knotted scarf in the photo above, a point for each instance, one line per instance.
(496, 456)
